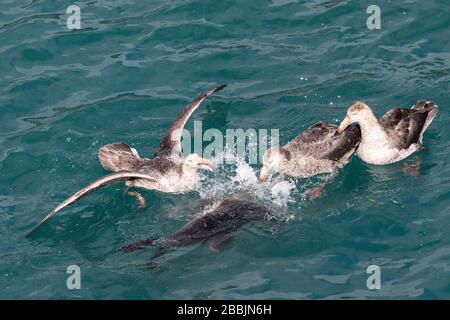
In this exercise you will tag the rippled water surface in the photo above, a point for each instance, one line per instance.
(124, 77)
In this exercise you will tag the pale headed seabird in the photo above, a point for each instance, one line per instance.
(395, 136)
(167, 171)
(318, 149)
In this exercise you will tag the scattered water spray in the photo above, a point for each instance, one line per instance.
(240, 180)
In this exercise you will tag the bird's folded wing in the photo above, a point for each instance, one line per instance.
(404, 126)
(317, 133)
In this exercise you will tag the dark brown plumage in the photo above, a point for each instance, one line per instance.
(214, 227)
(407, 125)
(321, 141)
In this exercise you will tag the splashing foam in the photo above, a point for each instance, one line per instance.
(239, 180)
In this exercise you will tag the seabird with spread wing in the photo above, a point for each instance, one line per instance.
(167, 171)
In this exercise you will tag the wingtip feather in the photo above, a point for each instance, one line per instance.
(220, 87)
(41, 223)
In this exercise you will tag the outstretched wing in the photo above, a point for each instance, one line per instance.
(171, 141)
(103, 181)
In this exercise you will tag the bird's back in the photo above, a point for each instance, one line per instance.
(321, 141)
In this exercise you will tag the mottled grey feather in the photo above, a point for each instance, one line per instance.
(321, 141)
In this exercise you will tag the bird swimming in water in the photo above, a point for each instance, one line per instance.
(318, 149)
(395, 136)
(167, 171)
(215, 227)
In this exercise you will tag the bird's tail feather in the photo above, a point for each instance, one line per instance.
(430, 109)
(119, 156)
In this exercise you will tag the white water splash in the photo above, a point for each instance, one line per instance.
(240, 180)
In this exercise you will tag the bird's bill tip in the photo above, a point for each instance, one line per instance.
(344, 124)
(264, 173)
(205, 165)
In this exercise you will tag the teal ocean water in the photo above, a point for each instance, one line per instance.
(128, 72)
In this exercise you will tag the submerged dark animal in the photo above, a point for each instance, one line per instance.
(215, 227)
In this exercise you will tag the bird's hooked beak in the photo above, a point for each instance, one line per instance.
(344, 124)
(264, 173)
(205, 165)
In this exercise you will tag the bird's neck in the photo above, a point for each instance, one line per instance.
(189, 174)
(371, 130)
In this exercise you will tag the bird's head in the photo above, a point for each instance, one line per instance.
(271, 161)
(357, 113)
(195, 161)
